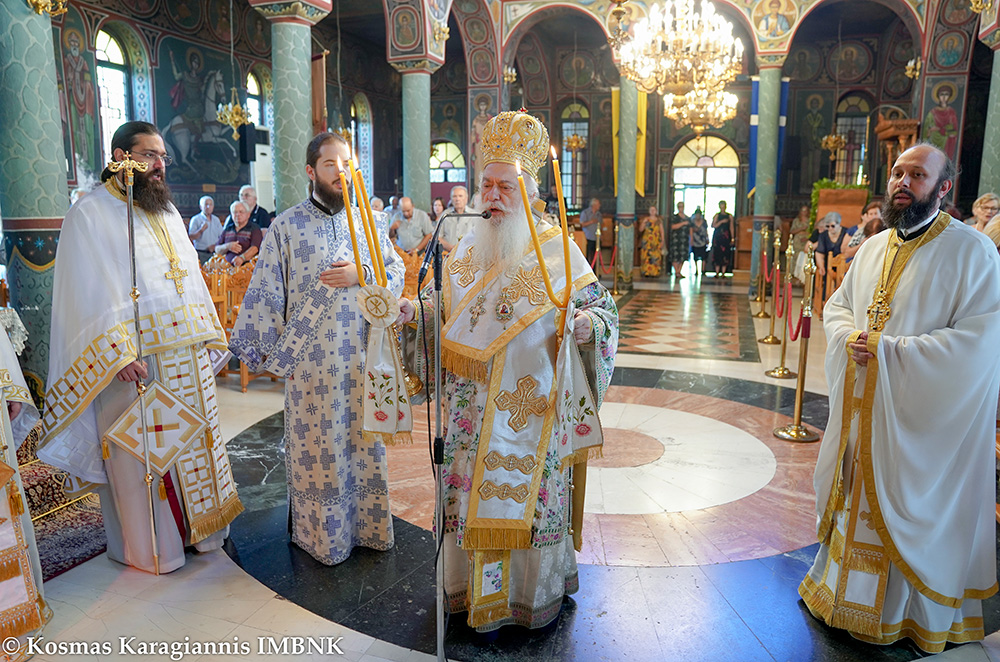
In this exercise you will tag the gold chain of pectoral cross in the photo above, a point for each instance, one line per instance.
(880, 309)
(159, 230)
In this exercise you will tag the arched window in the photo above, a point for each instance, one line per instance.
(112, 87)
(704, 174)
(853, 113)
(254, 104)
(361, 133)
(575, 130)
(447, 163)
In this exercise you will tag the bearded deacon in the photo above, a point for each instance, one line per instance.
(300, 320)
(509, 551)
(93, 368)
(905, 481)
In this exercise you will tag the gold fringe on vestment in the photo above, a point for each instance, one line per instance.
(20, 620)
(856, 621)
(402, 438)
(465, 366)
(484, 538)
(870, 561)
(582, 455)
(217, 521)
(10, 567)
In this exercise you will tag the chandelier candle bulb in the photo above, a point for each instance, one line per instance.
(534, 237)
(350, 222)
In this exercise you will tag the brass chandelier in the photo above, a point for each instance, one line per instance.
(675, 50)
(701, 108)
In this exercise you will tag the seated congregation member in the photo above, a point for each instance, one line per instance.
(93, 368)
(240, 239)
(205, 228)
(338, 494)
(511, 561)
(984, 209)
(905, 478)
(413, 228)
(258, 215)
(377, 203)
(871, 224)
(830, 242)
(456, 227)
(437, 208)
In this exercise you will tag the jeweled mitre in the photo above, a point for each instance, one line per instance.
(515, 136)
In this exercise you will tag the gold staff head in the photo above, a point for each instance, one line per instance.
(129, 166)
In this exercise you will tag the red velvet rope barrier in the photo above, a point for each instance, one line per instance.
(599, 256)
(780, 291)
(763, 266)
(798, 328)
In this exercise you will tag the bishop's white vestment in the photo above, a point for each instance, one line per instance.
(292, 325)
(93, 337)
(905, 481)
(517, 426)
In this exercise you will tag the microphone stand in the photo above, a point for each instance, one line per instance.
(433, 253)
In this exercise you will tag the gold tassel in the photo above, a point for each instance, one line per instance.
(105, 451)
(209, 439)
(492, 538)
(16, 503)
(465, 366)
(163, 490)
(9, 568)
(217, 521)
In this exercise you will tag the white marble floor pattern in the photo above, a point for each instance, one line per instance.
(211, 599)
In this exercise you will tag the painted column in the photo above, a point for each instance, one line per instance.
(417, 137)
(989, 173)
(625, 205)
(33, 195)
(291, 54)
(768, 114)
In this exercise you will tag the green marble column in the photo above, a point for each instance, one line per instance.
(768, 116)
(33, 195)
(417, 138)
(989, 174)
(291, 54)
(625, 204)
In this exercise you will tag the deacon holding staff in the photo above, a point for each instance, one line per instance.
(93, 369)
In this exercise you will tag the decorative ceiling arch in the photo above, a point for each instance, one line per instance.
(479, 40)
(907, 12)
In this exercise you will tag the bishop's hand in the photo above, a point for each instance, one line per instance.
(133, 372)
(583, 328)
(407, 311)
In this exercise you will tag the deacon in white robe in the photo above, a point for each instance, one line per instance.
(92, 368)
(23, 611)
(519, 427)
(905, 482)
(300, 320)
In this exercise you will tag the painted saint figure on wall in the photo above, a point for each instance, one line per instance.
(941, 123)
(483, 103)
(80, 92)
(773, 24)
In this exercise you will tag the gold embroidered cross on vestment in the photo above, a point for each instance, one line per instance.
(521, 402)
(466, 267)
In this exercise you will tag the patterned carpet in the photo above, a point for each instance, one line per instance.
(705, 325)
(68, 537)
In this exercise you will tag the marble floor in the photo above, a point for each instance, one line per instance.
(698, 526)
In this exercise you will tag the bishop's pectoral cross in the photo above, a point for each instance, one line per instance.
(177, 275)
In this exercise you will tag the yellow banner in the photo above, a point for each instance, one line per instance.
(615, 123)
(640, 147)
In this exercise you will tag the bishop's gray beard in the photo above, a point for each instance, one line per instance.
(902, 218)
(502, 244)
(151, 195)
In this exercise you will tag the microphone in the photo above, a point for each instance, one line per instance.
(432, 245)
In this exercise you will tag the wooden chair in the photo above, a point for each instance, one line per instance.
(836, 268)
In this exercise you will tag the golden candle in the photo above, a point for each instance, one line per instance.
(365, 204)
(534, 237)
(565, 229)
(364, 224)
(350, 222)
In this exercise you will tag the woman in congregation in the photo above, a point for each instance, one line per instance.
(437, 208)
(679, 239)
(699, 241)
(722, 241)
(984, 209)
(651, 244)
